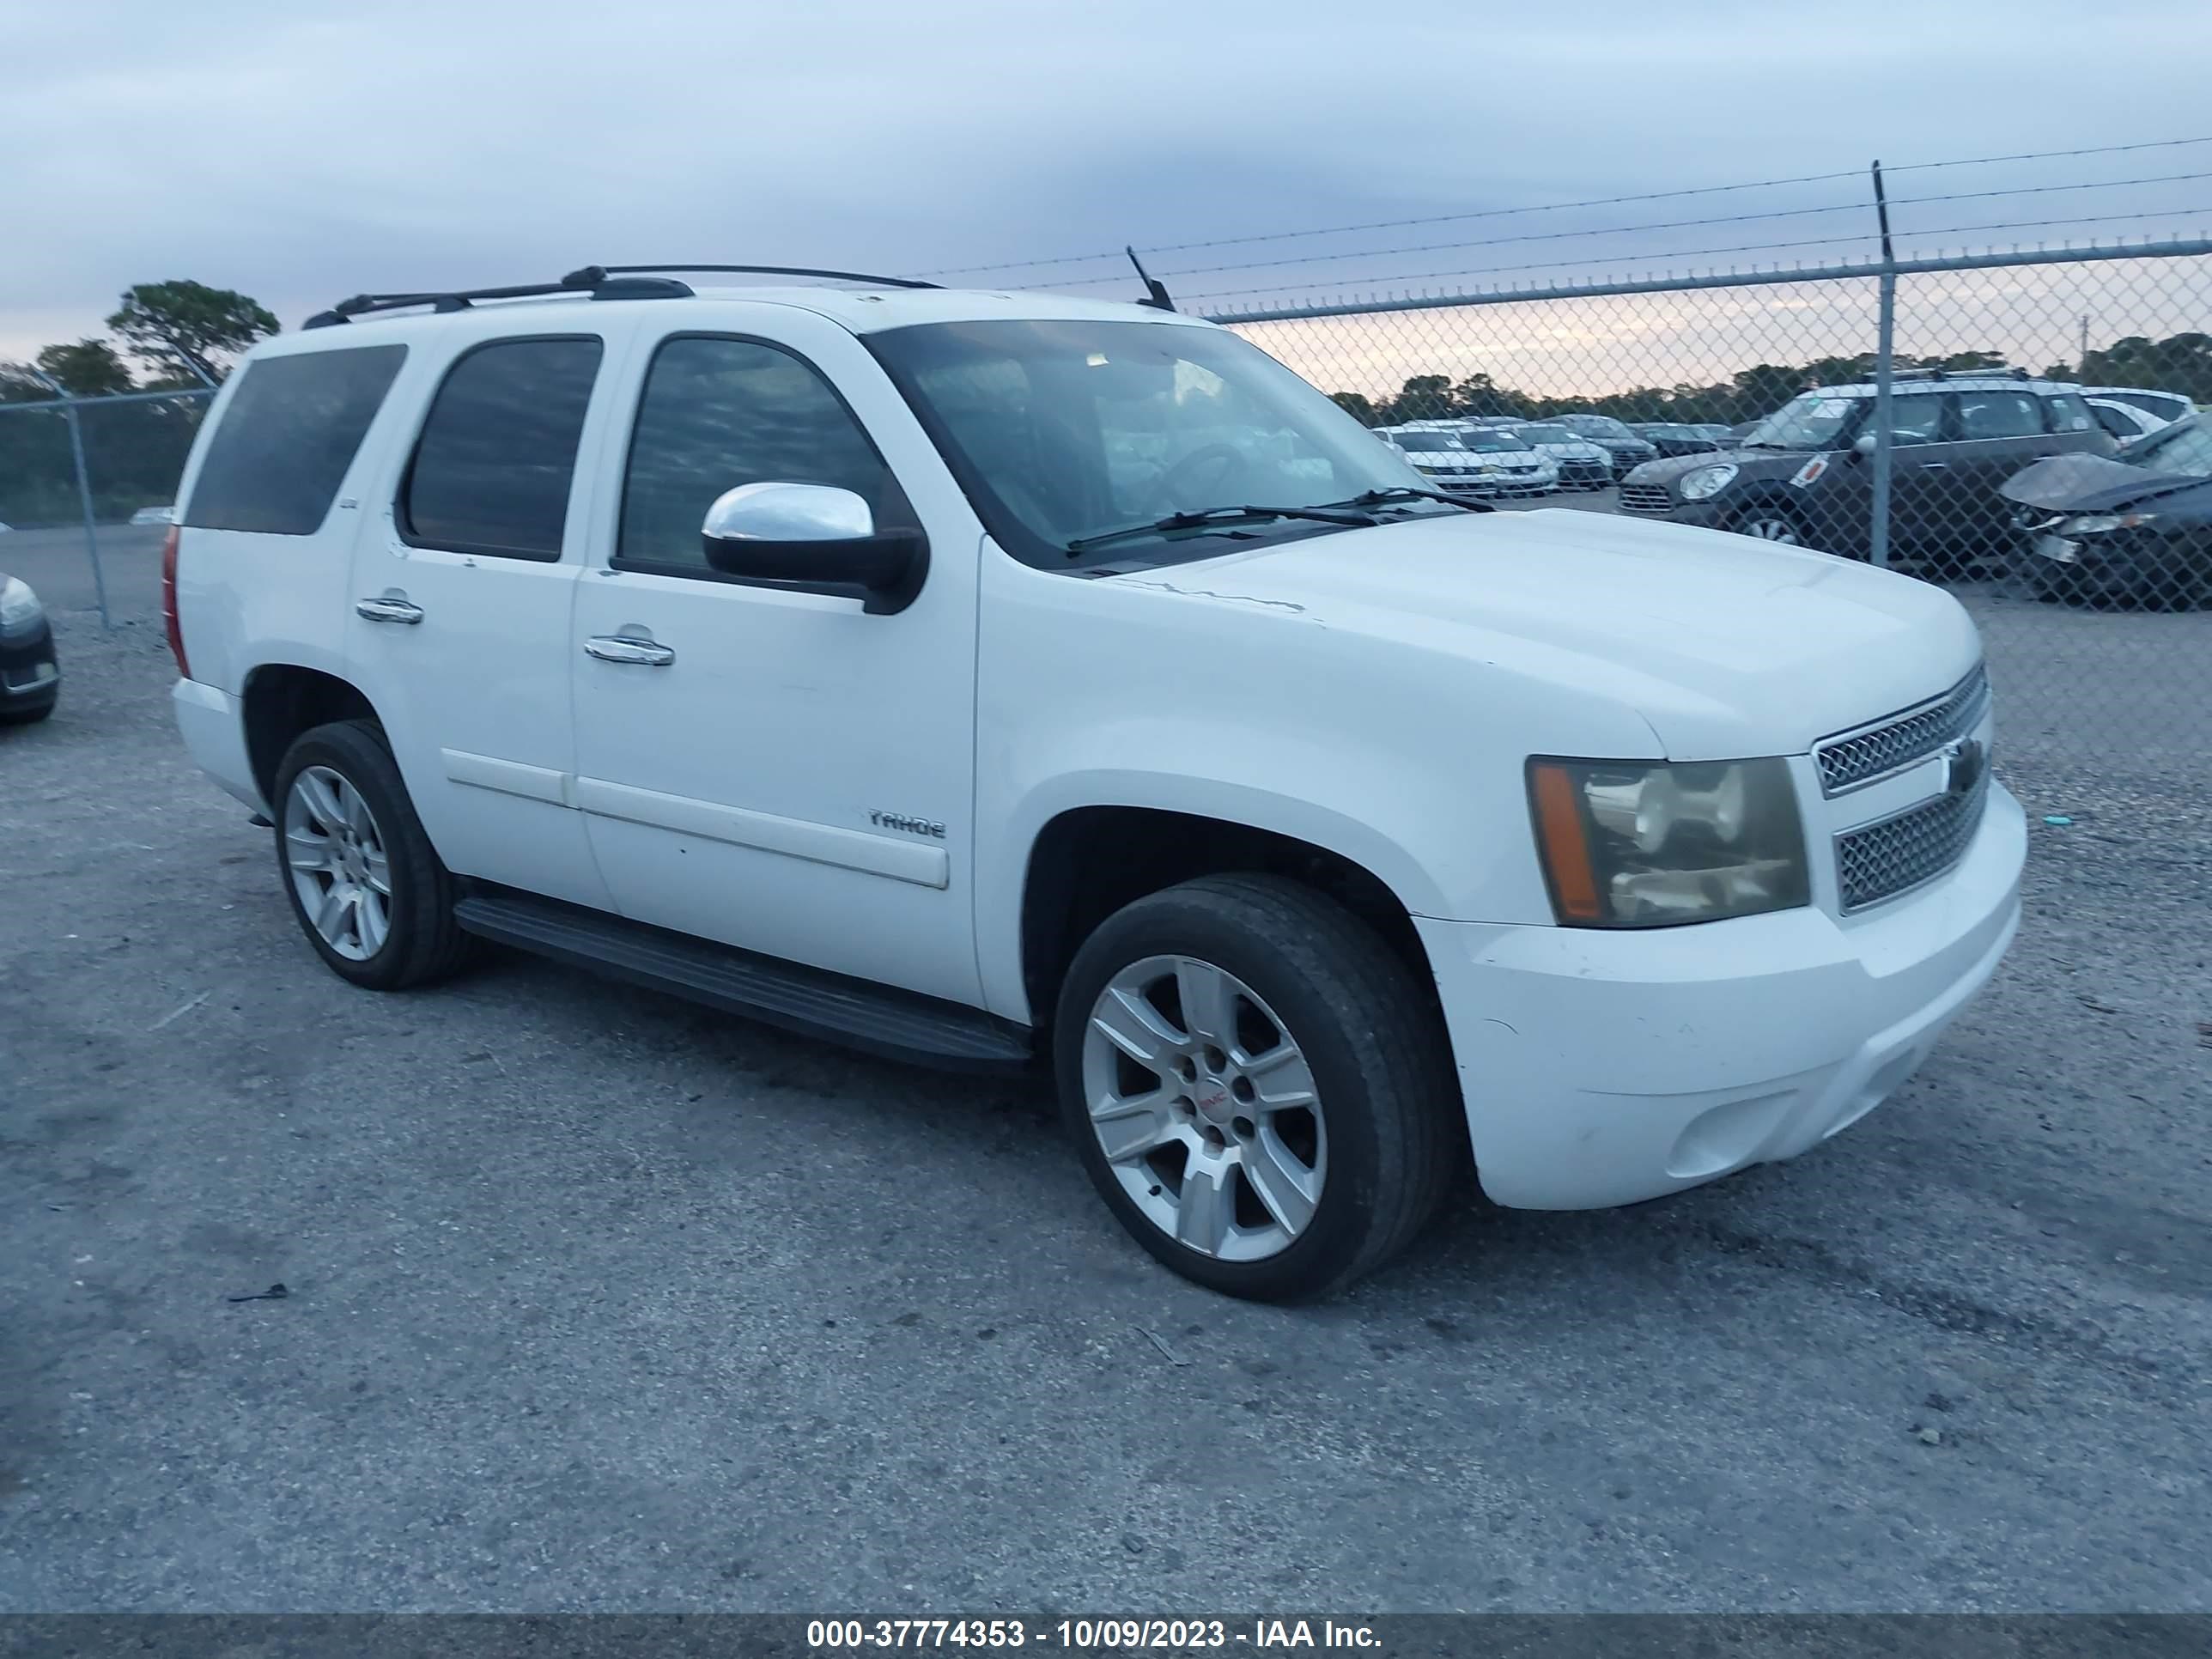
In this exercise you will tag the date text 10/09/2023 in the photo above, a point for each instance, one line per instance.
(1088, 1635)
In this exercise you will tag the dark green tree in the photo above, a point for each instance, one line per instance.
(90, 368)
(2180, 362)
(1423, 398)
(1358, 405)
(178, 327)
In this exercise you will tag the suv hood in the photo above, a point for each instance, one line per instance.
(2083, 483)
(1726, 646)
(1668, 468)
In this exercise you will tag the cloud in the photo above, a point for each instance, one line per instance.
(301, 158)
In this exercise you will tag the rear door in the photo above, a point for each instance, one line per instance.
(2001, 429)
(464, 583)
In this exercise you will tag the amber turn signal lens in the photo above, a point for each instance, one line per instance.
(1563, 843)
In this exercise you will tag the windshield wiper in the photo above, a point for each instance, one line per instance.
(1206, 517)
(1407, 493)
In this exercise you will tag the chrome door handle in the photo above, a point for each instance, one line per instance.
(1935, 466)
(624, 647)
(388, 609)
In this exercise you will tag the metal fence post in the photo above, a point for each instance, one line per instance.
(1885, 341)
(1884, 364)
(83, 490)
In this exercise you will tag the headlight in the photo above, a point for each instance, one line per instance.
(1704, 482)
(1653, 843)
(19, 606)
(2098, 523)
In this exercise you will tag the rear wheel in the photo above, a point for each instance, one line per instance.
(1260, 1090)
(364, 881)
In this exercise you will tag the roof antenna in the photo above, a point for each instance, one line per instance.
(1157, 296)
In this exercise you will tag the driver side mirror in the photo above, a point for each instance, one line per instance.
(1863, 444)
(817, 536)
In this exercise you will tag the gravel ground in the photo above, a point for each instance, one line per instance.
(598, 1301)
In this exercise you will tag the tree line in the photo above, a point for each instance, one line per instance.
(167, 336)
(2180, 362)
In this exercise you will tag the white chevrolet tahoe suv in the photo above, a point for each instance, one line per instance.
(998, 680)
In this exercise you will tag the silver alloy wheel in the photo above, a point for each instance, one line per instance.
(339, 868)
(1771, 527)
(1204, 1108)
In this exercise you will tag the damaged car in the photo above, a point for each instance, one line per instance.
(2134, 529)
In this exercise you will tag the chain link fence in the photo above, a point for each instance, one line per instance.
(82, 481)
(2018, 427)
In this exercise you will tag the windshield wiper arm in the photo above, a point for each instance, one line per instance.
(1203, 517)
(1407, 493)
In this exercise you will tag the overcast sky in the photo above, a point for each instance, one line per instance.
(302, 152)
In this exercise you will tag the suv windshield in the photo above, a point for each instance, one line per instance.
(1548, 435)
(1426, 441)
(1814, 421)
(1488, 442)
(1596, 426)
(1062, 430)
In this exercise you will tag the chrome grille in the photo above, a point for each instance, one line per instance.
(1882, 861)
(1646, 498)
(1860, 758)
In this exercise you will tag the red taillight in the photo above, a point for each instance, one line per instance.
(169, 601)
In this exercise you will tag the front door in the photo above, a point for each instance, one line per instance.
(462, 592)
(770, 765)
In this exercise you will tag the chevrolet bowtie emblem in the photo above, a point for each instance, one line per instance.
(1964, 761)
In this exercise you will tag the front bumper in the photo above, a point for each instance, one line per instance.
(30, 677)
(1503, 484)
(1600, 1068)
(1706, 514)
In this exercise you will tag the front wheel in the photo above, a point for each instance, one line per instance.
(1260, 1090)
(1770, 524)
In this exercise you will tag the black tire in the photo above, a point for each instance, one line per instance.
(424, 944)
(1751, 520)
(28, 714)
(1371, 1035)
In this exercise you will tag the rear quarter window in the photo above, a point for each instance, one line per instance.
(287, 437)
(493, 467)
(2070, 413)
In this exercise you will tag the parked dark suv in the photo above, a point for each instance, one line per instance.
(1804, 474)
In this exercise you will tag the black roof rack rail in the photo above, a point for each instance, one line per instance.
(603, 271)
(2001, 372)
(448, 300)
(600, 282)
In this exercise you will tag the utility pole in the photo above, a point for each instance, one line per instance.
(2083, 369)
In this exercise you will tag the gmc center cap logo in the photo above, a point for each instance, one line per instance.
(1964, 761)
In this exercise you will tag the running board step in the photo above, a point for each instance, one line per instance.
(896, 1024)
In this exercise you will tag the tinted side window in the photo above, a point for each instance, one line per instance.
(1916, 418)
(2070, 413)
(492, 468)
(2115, 422)
(2169, 408)
(718, 413)
(277, 461)
(1999, 414)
